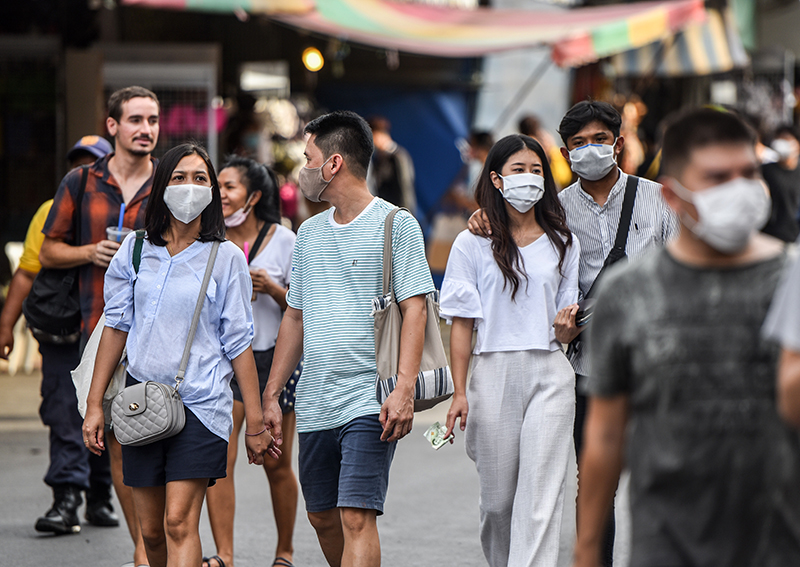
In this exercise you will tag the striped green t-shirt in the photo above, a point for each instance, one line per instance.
(336, 272)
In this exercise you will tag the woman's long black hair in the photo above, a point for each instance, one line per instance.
(258, 177)
(549, 212)
(157, 216)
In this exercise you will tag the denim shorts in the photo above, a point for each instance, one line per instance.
(195, 452)
(345, 467)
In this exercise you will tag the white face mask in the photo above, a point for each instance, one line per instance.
(522, 190)
(593, 161)
(786, 149)
(728, 214)
(186, 202)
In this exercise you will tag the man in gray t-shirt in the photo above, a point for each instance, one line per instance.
(682, 382)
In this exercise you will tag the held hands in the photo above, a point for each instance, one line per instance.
(94, 429)
(258, 445)
(564, 325)
(459, 408)
(478, 223)
(397, 415)
(102, 253)
(273, 419)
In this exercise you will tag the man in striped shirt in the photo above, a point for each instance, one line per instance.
(593, 204)
(346, 438)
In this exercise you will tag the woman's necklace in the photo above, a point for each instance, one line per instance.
(176, 248)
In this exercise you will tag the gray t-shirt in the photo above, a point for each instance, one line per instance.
(715, 474)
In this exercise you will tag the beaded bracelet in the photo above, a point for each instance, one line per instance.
(256, 434)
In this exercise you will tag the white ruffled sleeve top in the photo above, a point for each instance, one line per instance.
(473, 288)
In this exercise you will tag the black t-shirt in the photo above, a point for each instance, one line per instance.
(715, 473)
(784, 187)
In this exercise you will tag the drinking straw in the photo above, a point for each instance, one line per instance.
(247, 252)
(119, 224)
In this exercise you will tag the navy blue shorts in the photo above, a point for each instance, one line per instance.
(345, 467)
(263, 366)
(195, 452)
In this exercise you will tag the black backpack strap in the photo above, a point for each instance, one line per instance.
(78, 203)
(259, 239)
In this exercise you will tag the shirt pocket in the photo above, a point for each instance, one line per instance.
(641, 237)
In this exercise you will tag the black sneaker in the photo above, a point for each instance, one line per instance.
(62, 518)
(99, 511)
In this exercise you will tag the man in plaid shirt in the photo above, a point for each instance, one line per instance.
(124, 176)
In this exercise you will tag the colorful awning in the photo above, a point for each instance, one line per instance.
(713, 46)
(576, 36)
(252, 6)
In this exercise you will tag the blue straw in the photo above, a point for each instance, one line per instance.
(119, 224)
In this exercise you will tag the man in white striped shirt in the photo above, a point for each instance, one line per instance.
(590, 131)
(346, 438)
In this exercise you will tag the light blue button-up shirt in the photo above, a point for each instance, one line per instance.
(157, 314)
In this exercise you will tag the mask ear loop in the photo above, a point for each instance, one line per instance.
(688, 197)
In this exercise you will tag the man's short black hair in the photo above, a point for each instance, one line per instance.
(698, 128)
(784, 129)
(344, 132)
(481, 139)
(588, 111)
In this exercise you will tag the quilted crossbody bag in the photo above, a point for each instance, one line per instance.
(434, 381)
(150, 411)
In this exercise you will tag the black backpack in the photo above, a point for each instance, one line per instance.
(53, 307)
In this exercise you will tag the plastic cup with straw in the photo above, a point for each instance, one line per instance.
(117, 233)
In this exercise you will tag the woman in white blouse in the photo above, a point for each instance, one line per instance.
(152, 319)
(251, 205)
(518, 411)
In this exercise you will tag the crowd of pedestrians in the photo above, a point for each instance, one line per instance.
(628, 318)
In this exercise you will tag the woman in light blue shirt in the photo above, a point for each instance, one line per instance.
(152, 319)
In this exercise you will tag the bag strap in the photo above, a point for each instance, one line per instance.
(624, 225)
(137, 250)
(259, 239)
(387, 250)
(623, 228)
(79, 202)
(196, 318)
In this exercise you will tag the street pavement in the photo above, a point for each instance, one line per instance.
(431, 511)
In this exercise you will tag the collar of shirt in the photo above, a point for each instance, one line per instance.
(617, 190)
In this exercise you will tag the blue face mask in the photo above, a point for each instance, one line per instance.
(593, 161)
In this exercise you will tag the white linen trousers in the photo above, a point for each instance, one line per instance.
(519, 433)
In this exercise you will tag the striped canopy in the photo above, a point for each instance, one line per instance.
(575, 36)
(713, 46)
